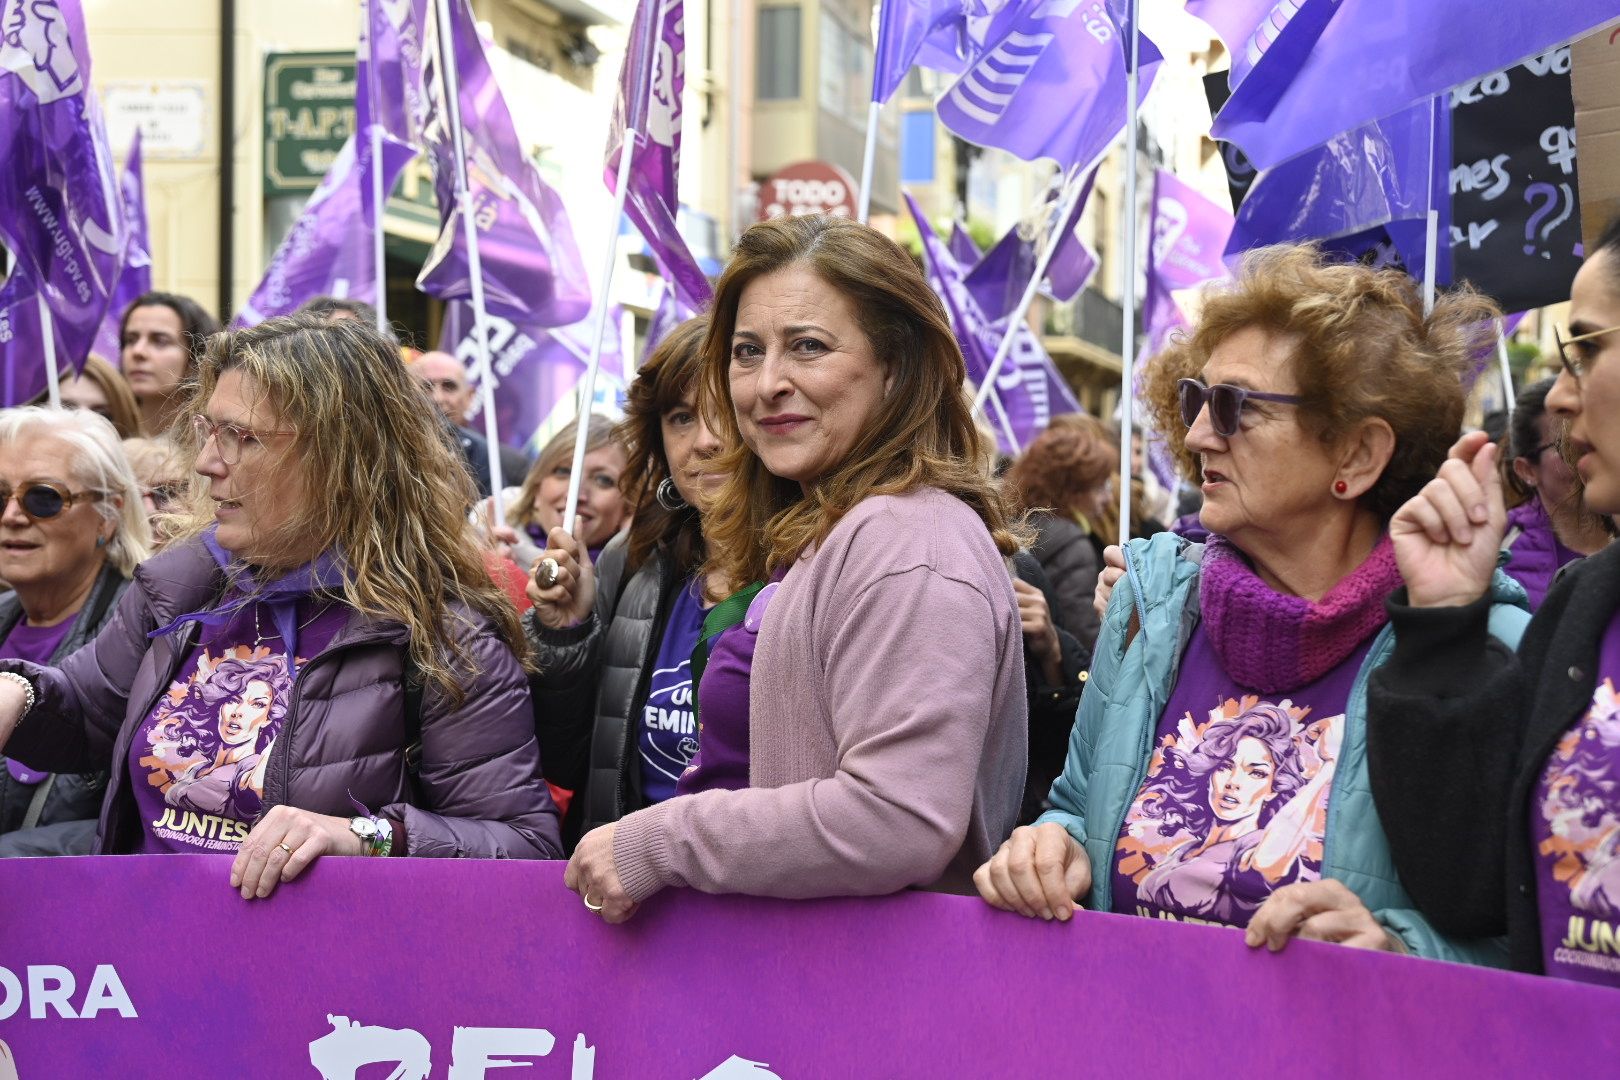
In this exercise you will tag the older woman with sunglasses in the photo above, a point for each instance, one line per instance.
(318, 664)
(1217, 770)
(1522, 833)
(71, 534)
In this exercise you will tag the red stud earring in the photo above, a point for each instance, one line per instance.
(1340, 487)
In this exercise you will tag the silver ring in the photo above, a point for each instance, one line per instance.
(547, 574)
(588, 904)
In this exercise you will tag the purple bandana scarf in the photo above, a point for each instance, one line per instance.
(1272, 643)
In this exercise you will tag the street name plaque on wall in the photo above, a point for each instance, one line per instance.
(308, 113)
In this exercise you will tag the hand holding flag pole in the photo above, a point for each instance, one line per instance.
(475, 273)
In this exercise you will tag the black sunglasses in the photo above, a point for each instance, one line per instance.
(1225, 403)
(41, 501)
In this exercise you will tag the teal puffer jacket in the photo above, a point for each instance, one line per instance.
(1128, 692)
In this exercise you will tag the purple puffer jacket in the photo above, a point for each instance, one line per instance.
(481, 795)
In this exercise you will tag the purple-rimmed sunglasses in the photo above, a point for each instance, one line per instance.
(1225, 403)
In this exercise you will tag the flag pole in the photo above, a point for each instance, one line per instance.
(1506, 367)
(52, 378)
(627, 153)
(475, 270)
(1006, 421)
(1071, 195)
(1128, 293)
(1431, 231)
(865, 205)
(378, 259)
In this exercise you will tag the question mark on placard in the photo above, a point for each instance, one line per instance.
(1531, 194)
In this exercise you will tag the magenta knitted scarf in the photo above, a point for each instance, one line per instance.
(1271, 642)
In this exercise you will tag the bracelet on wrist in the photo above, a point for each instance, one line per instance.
(27, 688)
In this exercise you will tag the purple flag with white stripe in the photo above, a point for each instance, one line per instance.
(328, 251)
(135, 278)
(388, 70)
(59, 214)
(531, 267)
(649, 104)
(1049, 83)
(1028, 390)
(537, 371)
(1336, 65)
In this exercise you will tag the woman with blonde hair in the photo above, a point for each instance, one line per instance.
(538, 506)
(71, 535)
(1217, 771)
(1062, 482)
(330, 539)
(863, 711)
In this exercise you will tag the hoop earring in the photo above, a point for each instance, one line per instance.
(669, 496)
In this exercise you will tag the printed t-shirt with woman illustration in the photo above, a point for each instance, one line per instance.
(198, 759)
(1234, 802)
(1575, 835)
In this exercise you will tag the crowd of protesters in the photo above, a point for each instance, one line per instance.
(809, 637)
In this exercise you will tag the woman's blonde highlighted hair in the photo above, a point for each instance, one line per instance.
(386, 489)
(923, 434)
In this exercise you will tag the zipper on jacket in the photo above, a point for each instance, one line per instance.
(655, 641)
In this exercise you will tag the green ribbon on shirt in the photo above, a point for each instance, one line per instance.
(722, 617)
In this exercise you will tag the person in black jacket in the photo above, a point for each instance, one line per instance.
(1062, 482)
(1497, 775)
(72, 529)
(614, 640)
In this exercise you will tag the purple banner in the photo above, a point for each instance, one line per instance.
(921, 33)
(59, 214)
(1038, 53)
(148, 966)
(537, 371)
(1029, 391)
(651, 84)
(328, 251)
(531, 267)
(135, 278)
(669, 314)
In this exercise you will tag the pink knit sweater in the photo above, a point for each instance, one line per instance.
(888, 722)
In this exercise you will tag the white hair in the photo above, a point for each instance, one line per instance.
(98, 463)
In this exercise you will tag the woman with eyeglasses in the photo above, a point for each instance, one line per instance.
(1217, 771)
(1497, 771)
(1551, 528)
(537, 507)
(160, 469)
(71, 534)
(388, 712)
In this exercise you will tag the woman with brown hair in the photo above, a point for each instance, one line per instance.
(162, 336)
(327, 547)
(101, 388)
(1062, 482)
(614, 637)
(1217, 771)
(863, 723)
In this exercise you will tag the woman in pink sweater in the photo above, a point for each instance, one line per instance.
(863, 727)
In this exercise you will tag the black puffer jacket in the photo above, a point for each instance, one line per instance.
(593, 679)
(1072, 559)
(67, 804)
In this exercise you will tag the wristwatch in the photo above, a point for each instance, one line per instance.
(376, 837)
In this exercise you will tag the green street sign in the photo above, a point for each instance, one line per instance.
(308, 113)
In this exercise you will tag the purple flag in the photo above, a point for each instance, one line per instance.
(1028, 390)
(998, 280)
(532, 272)
(1336, 66)
(1073, 263)
(910, 33)
(651, 83)
(59, 214)
(388, 70)
(328, 250)
(1189, 237)
(1049, 83)
(963, 248)
(1361, 185)
(537, 369)
(135, 278)
(669, 314)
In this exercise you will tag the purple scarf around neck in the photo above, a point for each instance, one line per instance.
(281, 596)
(1271, 642)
